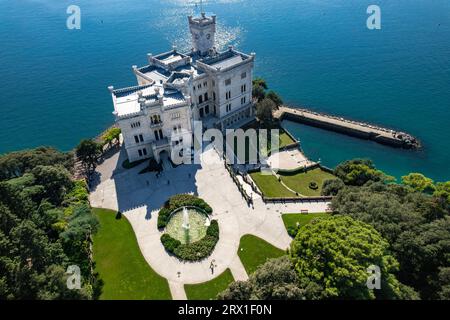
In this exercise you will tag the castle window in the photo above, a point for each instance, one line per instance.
(141, 138)
(144, 151)
(243, 99)
(136, 124)
(228, 107)
(199, 86)
(175, 115)
(205, 84)
(200, 99)
(136, 139)
(140, 152)
(206, 96)
(243, 88)
(243, 75)
(227, 82)
(214, 96)
(228, 95)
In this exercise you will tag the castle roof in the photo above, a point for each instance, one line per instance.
(126, 100)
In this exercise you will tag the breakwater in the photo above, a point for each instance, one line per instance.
(352, 128)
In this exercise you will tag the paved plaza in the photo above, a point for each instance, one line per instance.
(139, 197)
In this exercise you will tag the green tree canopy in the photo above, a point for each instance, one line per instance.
(443, 191)
(274, 280)
(419, 182)
(264, 111)
(336, 252)
(272, 95)
(88, 152)
(55, 180)
(414, 223)
(15, 164)
(359, 171)
(258, 93)
(331, 187)
(260, 82)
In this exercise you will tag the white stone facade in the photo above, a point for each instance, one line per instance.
(176, 88)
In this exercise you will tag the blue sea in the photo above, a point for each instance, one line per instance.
(316, 53)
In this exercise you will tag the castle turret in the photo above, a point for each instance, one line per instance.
(203, 31)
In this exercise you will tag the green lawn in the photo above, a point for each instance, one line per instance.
(291, 219)
(210, 289)
(254, 251)
(300, 181)
(270, 186)
(120, 263)
(285, 139)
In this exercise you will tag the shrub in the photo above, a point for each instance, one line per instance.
(196, 250)
(292, 231)
(313, 185)
(213, 229)
(331, 187)
(169, 243)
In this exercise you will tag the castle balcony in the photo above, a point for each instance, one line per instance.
(156, 124)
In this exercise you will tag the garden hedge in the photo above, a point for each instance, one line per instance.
(196, 250)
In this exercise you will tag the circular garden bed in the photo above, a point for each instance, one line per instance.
(193, 239)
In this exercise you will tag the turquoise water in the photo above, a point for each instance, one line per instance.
(316, 53)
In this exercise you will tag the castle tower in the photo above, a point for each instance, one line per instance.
(203, 30)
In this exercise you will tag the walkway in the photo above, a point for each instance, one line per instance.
(139, 197)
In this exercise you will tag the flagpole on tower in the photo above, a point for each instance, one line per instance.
(201, 7)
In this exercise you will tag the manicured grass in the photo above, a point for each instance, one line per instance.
(285, 139)
(270, 186)
(210, 289)
(300, 181)
(254, 251)
(120, 263)
(291, 219)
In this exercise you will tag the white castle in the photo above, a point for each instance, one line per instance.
(175, 89)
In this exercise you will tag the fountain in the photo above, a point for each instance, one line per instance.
(185, 224)
(188, 225)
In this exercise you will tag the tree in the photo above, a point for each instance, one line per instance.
(15, 164)
(443, 191)
(110, 135)
(274, 280)
(55, 180)
(260, 82)
(88, 152)
(258, 93)
(359, 171)
(419, 182)
(331, 187)
(272, 95)
(40, 232)
(414, 223)
(264, 111)
(335, 252)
